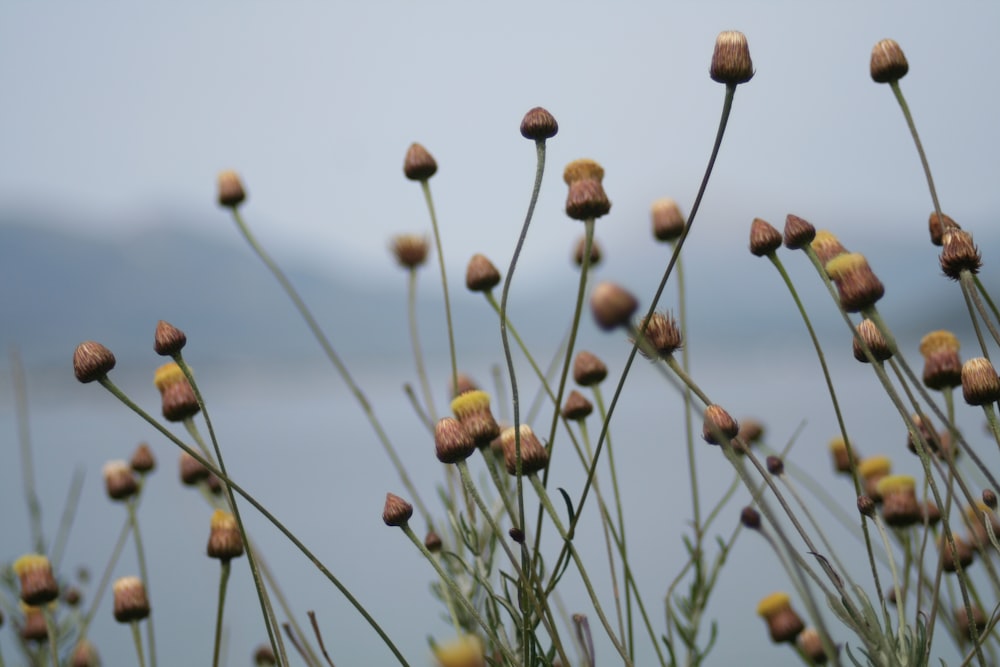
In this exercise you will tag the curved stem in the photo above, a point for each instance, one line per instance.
(426, 187)
(916, 140)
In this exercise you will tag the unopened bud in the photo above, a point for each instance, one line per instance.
(731, 62)
(397, 512)
(764, 238)
(418, 165)
(230, 189)
(539, 125)
(130, 601)
(92, 361)
(612, 305)
(888, 62)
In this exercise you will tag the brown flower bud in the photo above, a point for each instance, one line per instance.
(410, 250)
(419, 165)
(751, 431)
(731, 62)
(534, 457)
(72, 596)
(959, 254)
(942, 364)
(397, 512)
(168, 340)
(938, 226)
(841, 457)
(452, 443)
(783, 623)
(130, 601)
(983, 521)
(980, 384)
(224, 539)
(662, 335)
(143, 460)
(84, 655)
(516, 534)
(576, 407)
(718, 423)
(611, 305)
(587, 200)
(34, 628)
(120, 481)
(775, 465)
(978, 619)
(927, 434)
(465, 383)
(92, 361)
(581, 170)
(38, 584)
(539, 125)
(798, 232)
(826, 246)
(764, 238)
(178, 398)
(963, 555)
(750, 518)
(191, 470)
(858, 286)
(264, 656)
(588, 369)
(866, 506)
(888, 62)
(871, 471)
(433, 542)
(230, 189)
(812, 646)
(481, 275)
(473, 411)
(875, 341)
(581, 248)
(990, 498)
(899, 501)
(668, 222)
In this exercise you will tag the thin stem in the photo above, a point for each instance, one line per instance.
(51, 631)
(916, 140)
(418, 355)
(138, 642)
(223, 582)
(116, 553)
(426, 187)
(975, 304)
(24, 442)
(140, 553)
(334, 358)
(66, 519)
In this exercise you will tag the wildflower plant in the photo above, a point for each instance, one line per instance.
(501, 543)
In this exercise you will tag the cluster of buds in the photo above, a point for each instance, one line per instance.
(178, 398)
(586, 199)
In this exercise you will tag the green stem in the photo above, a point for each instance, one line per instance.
(426, 187)
(916, 140)
(137, 639)
(24, 442)
(418, 355)
(67, 517)
(140, 553)
(50, 630)
(975, 304)
(223, 582)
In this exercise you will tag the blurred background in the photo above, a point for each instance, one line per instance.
(117, 118)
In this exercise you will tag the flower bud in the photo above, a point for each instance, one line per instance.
(472, 409)
(668, 222)
(612, 305)
(34, 627)
(168, 340)
(418, 165)
(811, 645)
(841, 457)
(581, 247)
(397, 512)
(581, 170)
(938, 225)
(191, 470)
(410, 250)
(750, 518)
(588, 369)
(959, 254)
(84, 655)
(481, 275)
(866, 506)
(942, 364)
(142, 460)
(899, 501)
(798, 232)
(230, 189)
(120, 481)
(534, 457)
(963, 555)
(576, 407)
(539, 125)
(38, 584)
(826, 246)
(178, 398)
(662, 335)
(452, 442)
(731, 62)
(264, 656)
(433, 542)
(856, 283)
(888, 62)
(224, 539)
(783, 623)
(980, 384)
(764, 238)
(587, 200)
(130, 601)
(92, 361)
(875, 341)
(872, 470)
(718, 423)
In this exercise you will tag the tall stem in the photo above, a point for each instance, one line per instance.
(426, 187)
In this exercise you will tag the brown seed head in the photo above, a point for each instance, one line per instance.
(875, 341)
(433, 542)
(539, 125)
(38, 584)
(588, 369)
(92, 361)
(191, 470)
(612, 305)
(533, 454)
(481, 275)
(452, 443)
(750, 518)
(230, 189)
(938, 226)
(410, 250)
(397, 512)
(731, 62)
(662, 335)
(888, 62)
(179, 402)
(857, 284)
(718, 423)
(577, 406)
(142, 460)
(84, 655)
(580, 249)
(130, 601)
(168, 340)
(899, 501)
(668, 221)
(798, 232)
(980, 384)
(959, 254)
(586, 200)
(942, 364)
(826, 246)
(783, 623)
(119, 480)
(418, 164)
(264, 656)
(224, 539)
(764, 238)
(581, 170)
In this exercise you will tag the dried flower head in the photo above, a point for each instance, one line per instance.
(581, 247)
(588, 369)
(718, 423)
(783, 624)
(873, 338)
(178, 398)
(668, 221)
(888, 62)
(130, 601)
(142, 460)
(980, 384)
(612, 305)
(230, 189)
(731, 62)
(811, 645)
(938, 225)
(582, 170)
(397, 512)
(92, 361)
(418, 164)
(662, 336)
(857, 284)
(826, 246)
(481, 275)
(168, 340)
(586, 200)
(534, 457)
(33, 627)
(798, 232)
(899, 501)
(539, 125)
(577, 406)
(959, 254)
(191, 470)
(841, 456)
(119, 480)
(410, 250)
(942, 364)
(224, 539)
(764, 238)
(452, 443)
(473, 412)
(38, 584)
